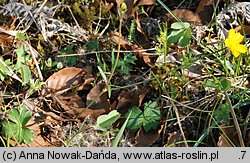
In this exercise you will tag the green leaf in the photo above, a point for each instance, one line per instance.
(20, 115)
(105, 121)
(14, 116)
(35, 86)
(2, 76)
(102, 74)
(175, 36)
(152, 111)
(93, 45)
(221, 84)
(136, 119)
(49, 63)
(21, 51)
(109, 91)
(15, 127)
(125, 64)
(21, 36)
(27, 135)
(149, 118)
(184, 40)
(22, 58)
(212, 84)
(3, 69)
(25, 116)
(25, 73)
(180, 25)
(222, 113)
(12, 130)
(59, 65)
(69, 59)
(152, 115)
(149, 124)
(224, 84)
(120, 133)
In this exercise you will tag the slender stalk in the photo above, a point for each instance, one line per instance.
(179, 122)
(168, 10)
(235, 120)
(166, 44)
(238, 66)
(118, 49)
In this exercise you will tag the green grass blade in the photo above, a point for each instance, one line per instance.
(120, 133)
(170, 11)
(204, 135)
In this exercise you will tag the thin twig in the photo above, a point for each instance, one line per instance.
(179, 122)
(185, 105)
(235, 120)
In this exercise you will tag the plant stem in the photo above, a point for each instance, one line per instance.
(170, 12)
(166, 44)
(118, 50)
(238, 66)
(235, 120)
(179, 122)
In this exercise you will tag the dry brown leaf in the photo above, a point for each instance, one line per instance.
(66, 79)
(5, 39)
(98, 97)
(185, 15)
(75, 107)
(139, 27)
(144, 139)
(205, 10)
(114, 37)
(246, 29)
(128, 99)
(222, 142)
(146, 2)
(229, 136)
(125, 45)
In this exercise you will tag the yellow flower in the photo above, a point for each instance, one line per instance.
(233, 43)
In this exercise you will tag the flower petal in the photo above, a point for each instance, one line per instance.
(231, 34)
(238, 37)
(235, 53)
(241, 48)
(228, 43)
